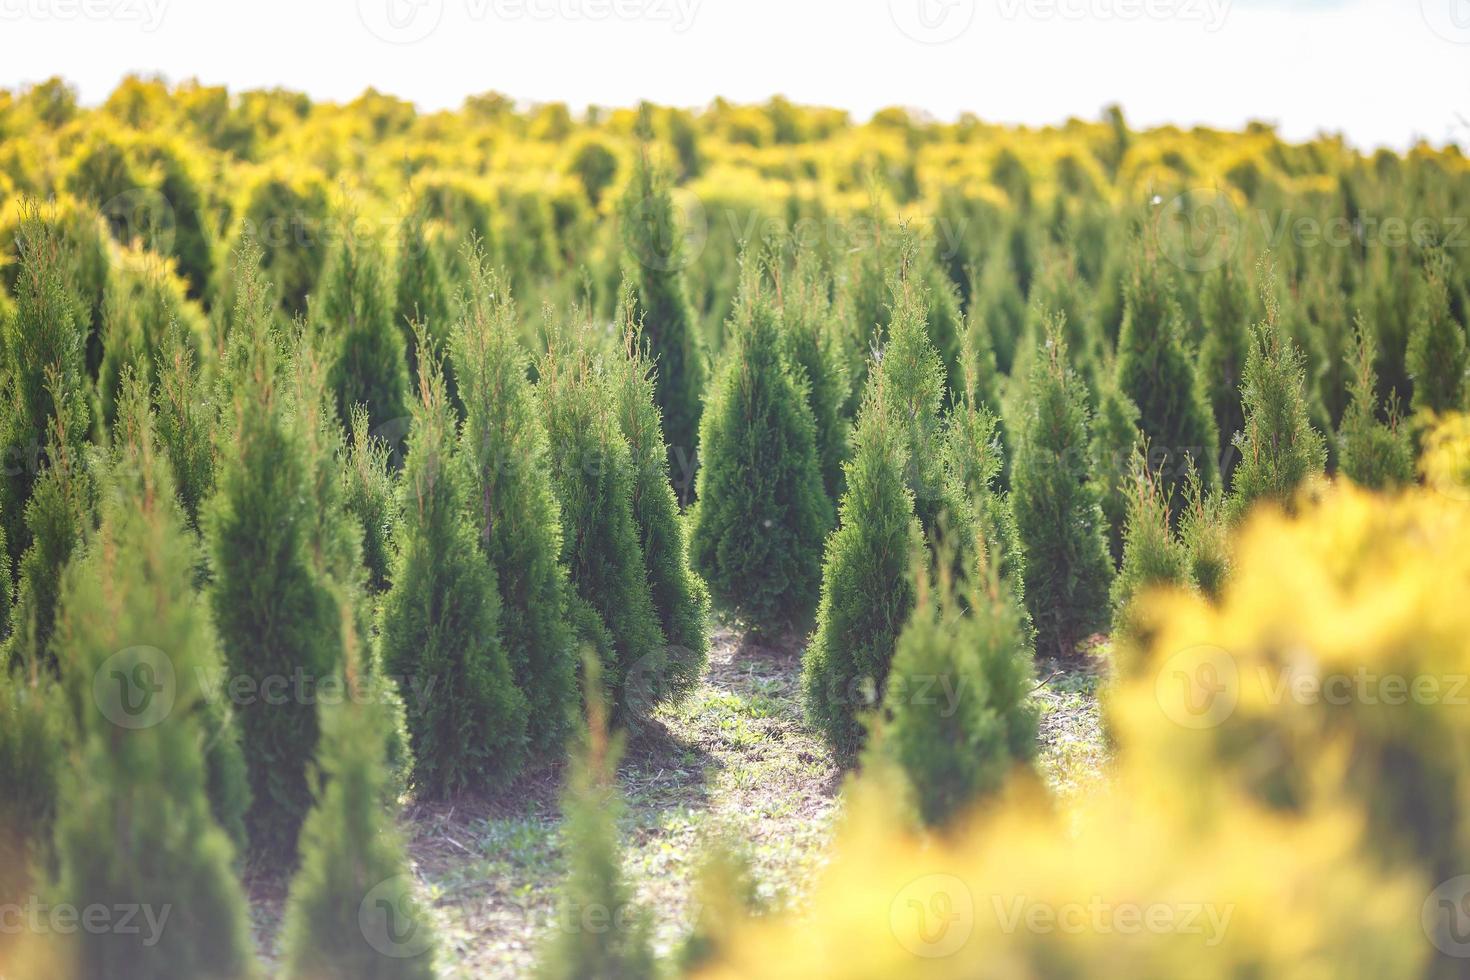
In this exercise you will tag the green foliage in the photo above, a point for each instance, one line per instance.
(1225, 312)
(679, 594)
(1371, 453)
(422, 295)
(277, 617)
(354, 308)
(350, 913)
(1153, 556)
(1056, 502)
(286, 220)
(599, 931)
(186, 420)
(957, 718)
(32, 732)
(440, 622)
(756, 533)
(134, 821)
(812, 347)
(513, 507)
(1115, 440)
(43, 371)
(1436, 358)
(1156, 371)
(867, 592)
(725, 897)
(146, 312)
(654, 260)
(1205, 533)
(593, 476)
(368, 495)
(1278, 447)
(595, 166)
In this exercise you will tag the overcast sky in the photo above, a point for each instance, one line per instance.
(1381, 71)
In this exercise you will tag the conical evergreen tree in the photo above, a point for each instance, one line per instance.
(277, 618)
(1058, 517)
(756, 534)
(33, 727)
(1436, 359)
(1225, 312)
(813, 348)
(913, 379)
(867, 592)
(367, 493)
(355, 309)
(654, 260)
(350, 913)
(1371, 453)
(422, 294)
(679, 594)
(1152, 555)
(592, 473)
(441, 620)
(186, 419)
(1205, 533)
(1156, 372)
(957, 718)
(1115, 440)
(600, 931)
(512, 504)
(42, 353)
(1278, 447)
(134, 825)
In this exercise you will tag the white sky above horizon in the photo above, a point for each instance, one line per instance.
(1382, 72)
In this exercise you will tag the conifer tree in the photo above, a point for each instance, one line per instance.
(1225, 312)
(592, 473)
(276, 615)
(957, 738)
(43, 369)
(367, 494)
(186, 419)
(679, 594)
(1058, 517)
(134, 822)
(441, 620)
(1278, 447)
(57, 515)
(1156, 372)
(1115, 439)
(513, 508)
(350, 912)
(1371, 453)
(354, 308)
(913, 379)
(1205, 533)
(422, 294)
(654, 260)
(1152, 555)
(600, 931)
(756, 533)
(867, 592)
(813, 349)
(1437, 359)
(974, 461)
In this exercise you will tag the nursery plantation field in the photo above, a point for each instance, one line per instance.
(743, 541)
